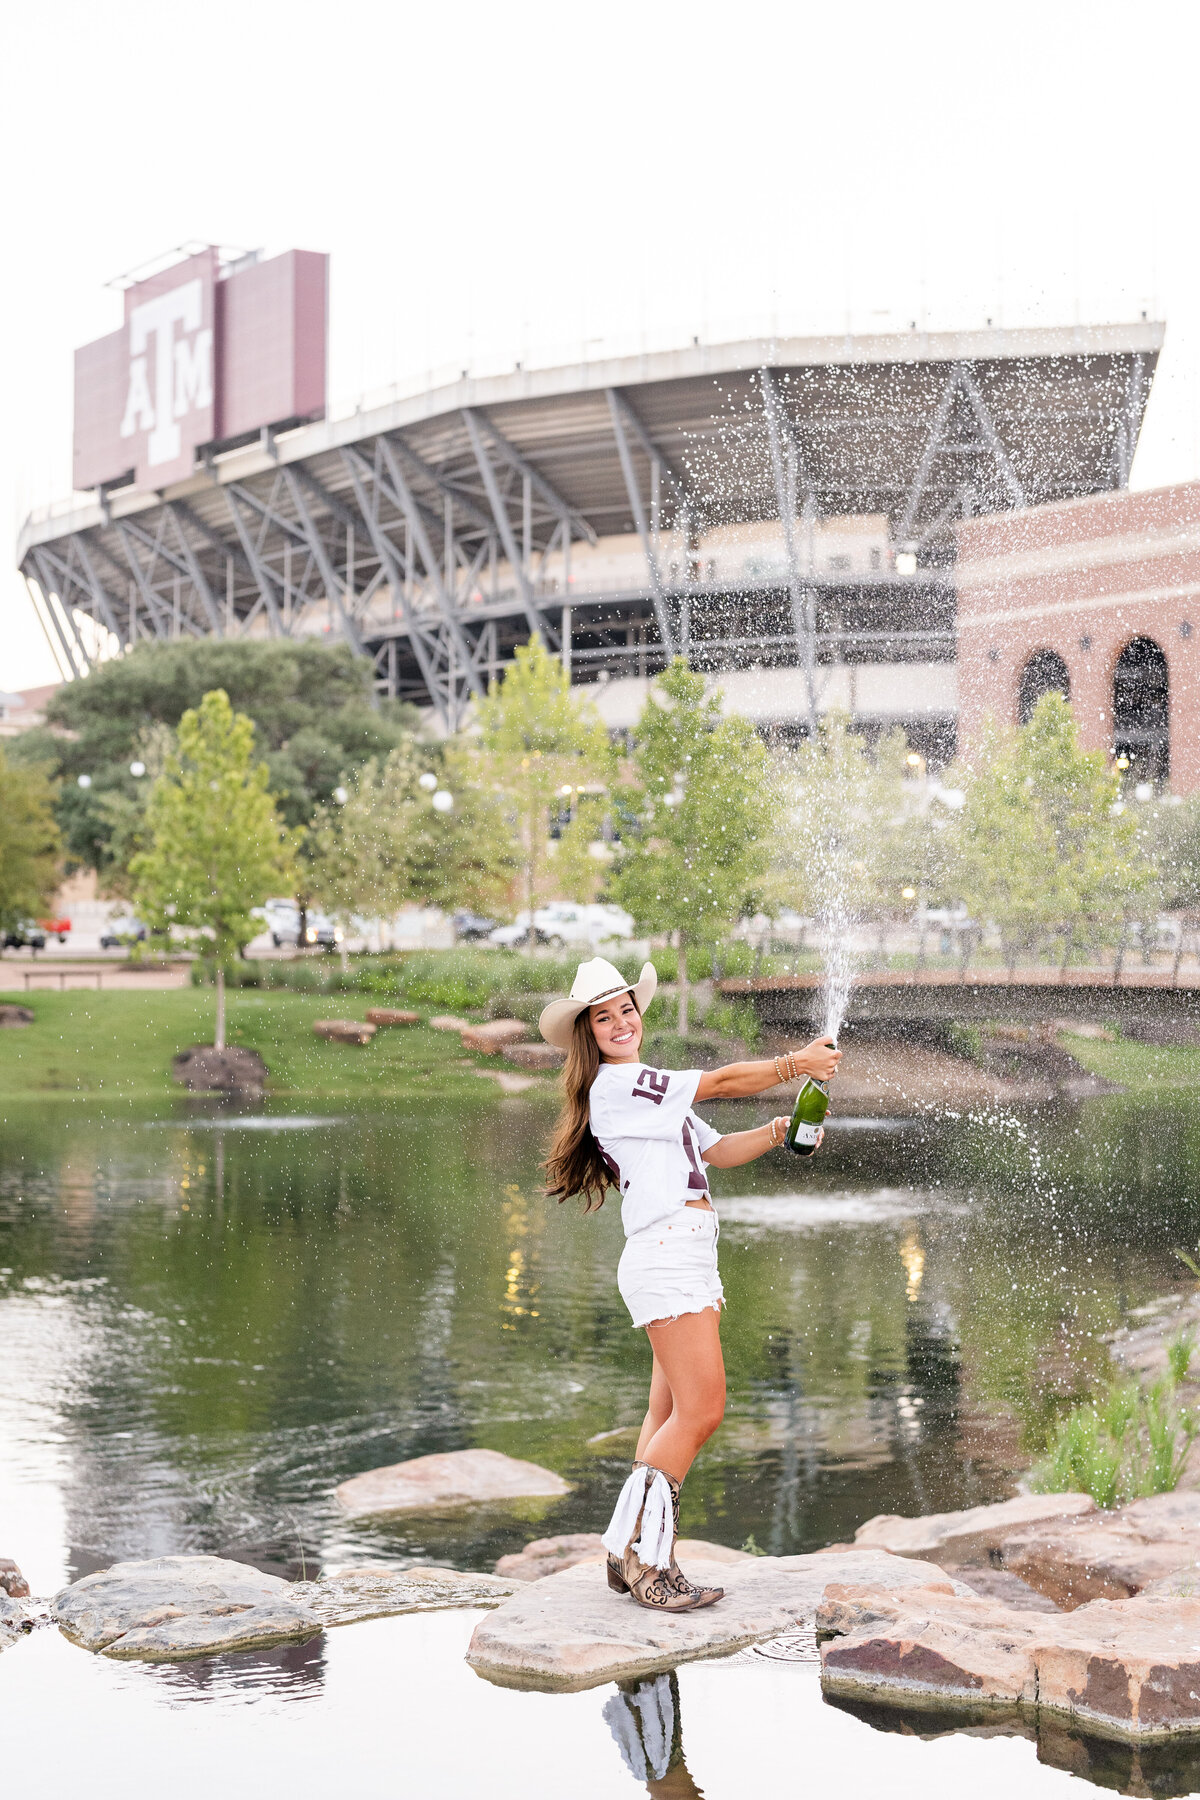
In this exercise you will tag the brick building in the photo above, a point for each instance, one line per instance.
(1099, 598)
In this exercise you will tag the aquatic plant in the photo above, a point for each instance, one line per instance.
(1123, 1444)
(1180, 1351)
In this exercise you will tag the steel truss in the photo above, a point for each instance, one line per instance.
(426, 550)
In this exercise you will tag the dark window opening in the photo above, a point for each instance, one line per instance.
(1044, 673)
(1141, 710)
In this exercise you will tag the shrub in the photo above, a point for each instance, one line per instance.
(1122, 1445)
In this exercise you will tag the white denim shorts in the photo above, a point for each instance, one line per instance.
(671, 1268)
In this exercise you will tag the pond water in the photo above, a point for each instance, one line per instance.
(208, 1321)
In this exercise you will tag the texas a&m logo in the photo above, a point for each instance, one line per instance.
(651, 1084)
(170, 370)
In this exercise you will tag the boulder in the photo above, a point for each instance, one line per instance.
(971, 1535)
(12, 1017)
(172, 1607)
(391, 1015)
(494, 1036)
(535, 1056)
(344, 1031)
(547, 1556)
(1108, 1555)
(448, 1022)
(12, 1620)
(453, 1478)
(569, 1631)
(12, 1582)
(204, 1069)
(1129, 1668)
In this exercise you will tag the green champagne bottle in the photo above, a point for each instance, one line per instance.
(808, 1114)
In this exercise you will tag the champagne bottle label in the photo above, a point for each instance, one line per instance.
(805, 1134)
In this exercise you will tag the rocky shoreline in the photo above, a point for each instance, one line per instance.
(1042, 1605)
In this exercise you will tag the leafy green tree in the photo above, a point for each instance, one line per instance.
(312, 705)
(1046, 847)
(537, 738)
(1173, 824)
(218, 847)
(30, 843)
(581, 856)
(388, 845)
(700, 812)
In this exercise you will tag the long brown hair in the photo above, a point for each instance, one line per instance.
(574, 1162)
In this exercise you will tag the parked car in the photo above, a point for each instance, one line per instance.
(59, 928)
(562, 923)
(282, 920)
(118, 934)
(27, 935)
(470, 928)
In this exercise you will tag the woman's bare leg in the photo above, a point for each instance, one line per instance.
(687, 1353)
(658, 1411)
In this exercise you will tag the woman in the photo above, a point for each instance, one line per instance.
(632, 1127)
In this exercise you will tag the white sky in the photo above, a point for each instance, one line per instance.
(497, 182)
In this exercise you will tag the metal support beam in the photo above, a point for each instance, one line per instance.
(45, 567)
(784, 472)
(196, 574)
(334, 587)
(262, 574)
(99, 593)
(549, 495)
(45, 586)
(538, 624)
(991, 436)
(443, 598)
(680, 485)
(423, 643)
(661, 615)
(960, 381)
(144, 585)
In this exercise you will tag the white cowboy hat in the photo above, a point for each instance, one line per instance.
(594, 981)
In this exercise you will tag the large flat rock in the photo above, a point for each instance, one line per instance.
(1108, 1555)
(172, 1606)
(453, 1478)
(570, 1631)
(1126, 1668)
(971, 1535)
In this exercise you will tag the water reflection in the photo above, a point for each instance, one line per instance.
(203, 1331)
(647, 1728)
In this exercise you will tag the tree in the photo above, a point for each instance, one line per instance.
(388, 845)
(699, 814)
(314, 712)
(30, 843)
(1046, 846)
(537, 738)
(218, 847)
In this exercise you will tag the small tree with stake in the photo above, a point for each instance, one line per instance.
(701, 819)
(217, 845)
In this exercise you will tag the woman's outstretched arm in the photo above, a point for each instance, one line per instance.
(736, 1080)
(738, 1147)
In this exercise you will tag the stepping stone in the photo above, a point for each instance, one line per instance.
(375, 1593)
(447, 1022)
(1128, 1668)
(535, 1056)
(454, 1478)
(13, 1017)
(1108, 1555)
(234, 1070)
(569, 1631)
(509, 1084)
(12, 1581)
(391, 1015)
(12, 1620)
(494, 1036)
(344, 1031)
(970, 1535)
(172, 1607)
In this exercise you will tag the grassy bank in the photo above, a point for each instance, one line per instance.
(118, 1046)
(1140, 1068)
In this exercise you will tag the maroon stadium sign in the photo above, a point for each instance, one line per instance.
(205, 357)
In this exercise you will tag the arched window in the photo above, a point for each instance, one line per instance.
(1044, 673)
(1141, 710)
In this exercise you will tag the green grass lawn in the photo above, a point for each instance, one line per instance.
(1137, 1067)
(119, 1046)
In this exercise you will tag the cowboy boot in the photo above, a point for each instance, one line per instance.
(702, 1596)
(643, 1568)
